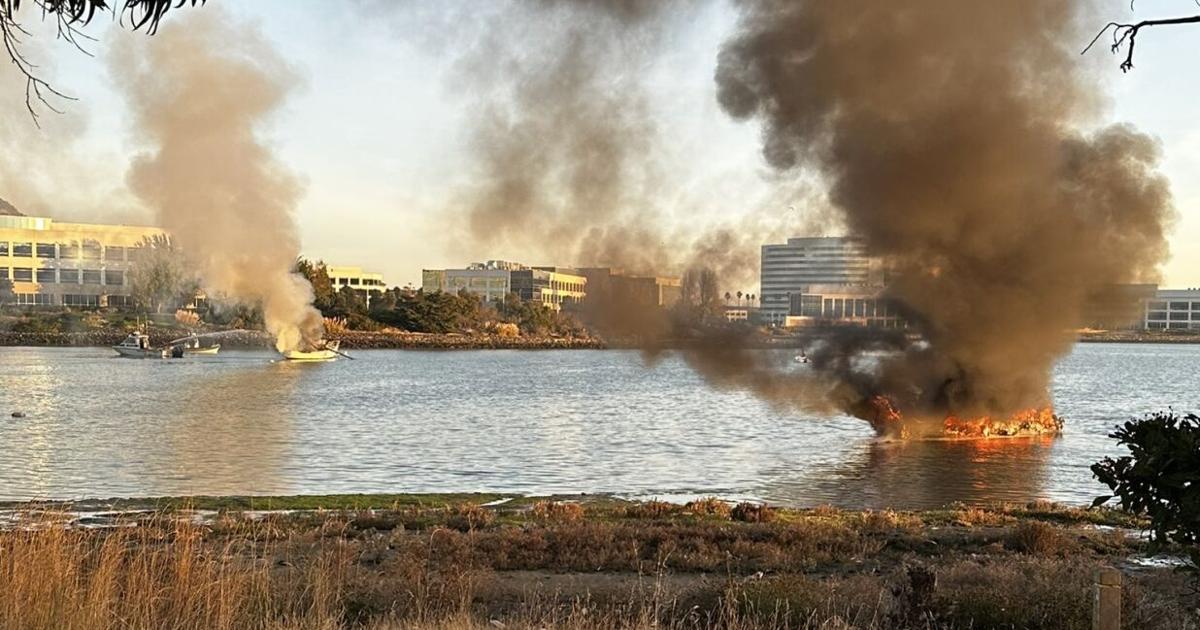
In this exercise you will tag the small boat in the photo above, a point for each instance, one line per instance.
(192, 346)
(137, 346)
(328, 351)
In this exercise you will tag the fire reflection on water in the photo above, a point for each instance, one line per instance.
(922, 474)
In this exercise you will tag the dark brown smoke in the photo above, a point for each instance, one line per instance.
(955, 139)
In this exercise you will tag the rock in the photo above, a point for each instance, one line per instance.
(18, 414)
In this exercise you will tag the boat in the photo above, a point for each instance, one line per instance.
(192, 346)
(137, 346)
(327, 351)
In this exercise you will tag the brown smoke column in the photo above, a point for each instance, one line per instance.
(200, 90)
(949, 135)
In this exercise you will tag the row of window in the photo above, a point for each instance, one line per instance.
(1174, 306)
(70, 251)
(47, 299)
(357, 282)
(1173, 325)
(112, 277)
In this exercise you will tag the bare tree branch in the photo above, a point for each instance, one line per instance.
(1126, 35)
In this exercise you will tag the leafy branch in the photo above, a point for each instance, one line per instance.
(70, 17)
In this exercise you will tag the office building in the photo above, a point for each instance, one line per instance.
(842, 305)
(366, 283)
(54, 263)
(791, 268)
(606, 283)
(1173, 309)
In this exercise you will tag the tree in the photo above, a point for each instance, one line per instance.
(1160, 478)
(728, 297)
(318, 276)
(70, 16)
(1124, 35)
(158, 277)
(739, 295)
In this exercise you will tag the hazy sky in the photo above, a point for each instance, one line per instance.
(377, 128)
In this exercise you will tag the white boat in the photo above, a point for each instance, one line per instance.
(213, 349)
(326, 352)
(137, 346)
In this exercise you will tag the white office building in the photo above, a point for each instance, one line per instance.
(790, 269)
(1173, 309)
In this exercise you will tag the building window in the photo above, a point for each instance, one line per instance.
(45, 276)
(68, 250)
(1156, 325)
(1158, 306)
(81, 300)
(46, 250)
(1177, 316)
(91, 251)
(22, 250)
(1175, 325)
(68, 276)
(115, 278)
(116, 254)
(34, 299)
(22, 274)
(3, 273)
(120, 301)
(1157, 315)
(91, 276)
(3, 248)
(1196, 306)
(1179, 306)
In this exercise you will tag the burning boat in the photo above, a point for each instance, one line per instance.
(323, 351)
(883, 414)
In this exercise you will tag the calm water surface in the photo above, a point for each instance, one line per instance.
(521, 421)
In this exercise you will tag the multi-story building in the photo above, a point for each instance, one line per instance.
(366, 283)
(606, 283)
(553, 287)
(1173, 309)
(841, 305)
(53, 263)
(491, 281)
(790, 269)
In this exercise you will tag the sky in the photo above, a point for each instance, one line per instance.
(377, 128)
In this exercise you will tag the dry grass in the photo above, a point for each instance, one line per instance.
(652, 510)
(466, 566)
(753, 513)
(709, 506)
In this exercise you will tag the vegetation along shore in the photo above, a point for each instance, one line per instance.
(488, 561)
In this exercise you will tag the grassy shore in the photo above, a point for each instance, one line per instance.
(448, 561)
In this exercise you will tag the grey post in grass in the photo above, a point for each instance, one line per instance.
(1106, 609)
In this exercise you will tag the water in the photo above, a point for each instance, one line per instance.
(525, 422)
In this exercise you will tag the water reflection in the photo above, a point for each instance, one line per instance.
(923, 474)
(232, 433)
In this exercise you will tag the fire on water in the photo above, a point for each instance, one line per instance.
(887, 419)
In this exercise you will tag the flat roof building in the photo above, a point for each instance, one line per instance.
(55, 263)
(843, 305)
(606, 283)
(789, 269)
(366, 283)
(1173, 309)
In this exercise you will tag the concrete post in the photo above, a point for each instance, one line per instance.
(1106, 608)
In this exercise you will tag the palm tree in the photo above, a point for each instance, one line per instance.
(727, 298)
(739, 294)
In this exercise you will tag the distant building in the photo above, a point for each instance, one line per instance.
(790, 269)
(842, 305)
(1118, 307)
(367, 284)
(493, 280)
(53, 263)
(607, 283)
(1173, 309)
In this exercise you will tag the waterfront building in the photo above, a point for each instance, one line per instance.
(1173, 309)
(368, 284)
(607, 283)
(842, 305)
(55, 263)
(792, 268)
(553, 287)
(491, 280)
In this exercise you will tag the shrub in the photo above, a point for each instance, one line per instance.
(652, 509)
(1161, 476)
(187, 318)
(1036, 537)
(709, 506)
(469, 517)
(753, 512)
(557, 511)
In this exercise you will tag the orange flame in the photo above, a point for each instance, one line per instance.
(882, 413)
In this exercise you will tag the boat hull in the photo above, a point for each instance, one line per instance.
(138, 353)
(328, 353)
(207, 350)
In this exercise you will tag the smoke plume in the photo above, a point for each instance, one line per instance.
(955, 140)
(200, 91)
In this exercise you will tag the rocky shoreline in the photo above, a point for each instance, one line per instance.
(249, 340)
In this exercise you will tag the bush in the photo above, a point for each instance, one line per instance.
(753, 513)
(1036, 537)
(709, 506)
(469, 517)
(652, 509)
(556, 511)
(1161, 476)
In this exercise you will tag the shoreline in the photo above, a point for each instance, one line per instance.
(467, 561)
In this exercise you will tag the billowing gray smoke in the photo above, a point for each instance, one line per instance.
(949, 135)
